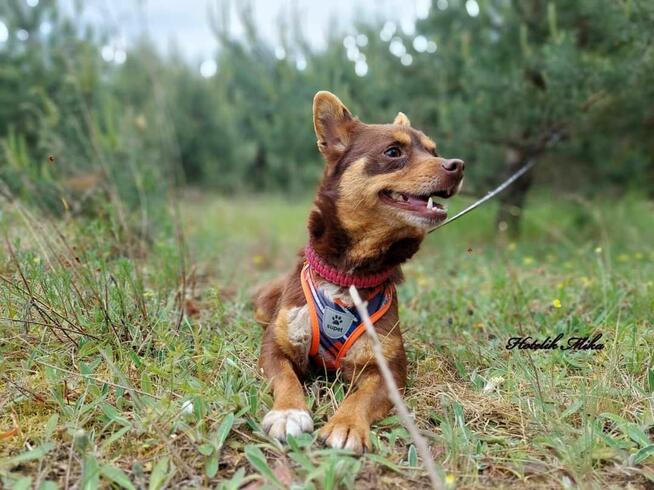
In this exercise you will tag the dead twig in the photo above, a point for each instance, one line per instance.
(394, 393)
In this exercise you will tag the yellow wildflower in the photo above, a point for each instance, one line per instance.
(556, 303)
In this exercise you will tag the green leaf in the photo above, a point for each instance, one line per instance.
(236, 482)
(413, 456)
(51, 426)
(619, 421)
(572, 361)
(90, 473)
(117, 476)
(159, 474)
(48, 485)
(383, 461)
(36, 453)
(329, 475)
(115, 436)
(113, 415)
(206, 449)
(298, 455)
(24, 483)
(637, 435)
(258, 460)
(573, 408)
(211, 465)
(146, 383)
(392, 420)
(650, 380)
(223, 430)
(135, 359)
(643, 454)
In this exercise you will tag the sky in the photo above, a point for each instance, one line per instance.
(186, 22)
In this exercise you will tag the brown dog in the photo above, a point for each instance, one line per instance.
(372, 210)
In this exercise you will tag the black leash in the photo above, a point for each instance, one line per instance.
(491, 194)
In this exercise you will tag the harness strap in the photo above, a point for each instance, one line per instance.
(325, 349)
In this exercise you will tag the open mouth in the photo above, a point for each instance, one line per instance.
(426, 206)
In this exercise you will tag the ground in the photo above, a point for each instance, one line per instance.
(129, 376)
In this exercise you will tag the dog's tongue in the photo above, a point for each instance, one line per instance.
(422, 206)
(414, 201)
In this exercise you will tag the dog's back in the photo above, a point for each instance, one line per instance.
(266, 300)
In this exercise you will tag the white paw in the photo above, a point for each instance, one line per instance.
(283, 423)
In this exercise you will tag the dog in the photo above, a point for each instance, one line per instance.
(377, 199)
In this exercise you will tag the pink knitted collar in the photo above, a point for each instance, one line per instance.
(340, 278)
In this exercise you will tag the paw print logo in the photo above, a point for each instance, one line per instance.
(337, 320)
(336, 323)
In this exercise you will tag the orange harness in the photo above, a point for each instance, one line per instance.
(335, 326)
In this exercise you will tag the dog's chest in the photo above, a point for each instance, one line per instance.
(328, 329)
(335, 321)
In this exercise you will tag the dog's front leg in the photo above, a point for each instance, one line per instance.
(349, 427)
(289, 414)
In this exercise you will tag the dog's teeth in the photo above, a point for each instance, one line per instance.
(430, 204)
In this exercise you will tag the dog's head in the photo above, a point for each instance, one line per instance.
(381, 189)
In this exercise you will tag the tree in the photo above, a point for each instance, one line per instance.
(516, 75)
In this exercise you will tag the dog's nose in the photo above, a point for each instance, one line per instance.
(453, 165)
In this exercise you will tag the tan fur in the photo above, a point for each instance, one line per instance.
(402, 120)
(289, 335)
(427, 142)
(369, 222)
(402, 137)
(362, 354)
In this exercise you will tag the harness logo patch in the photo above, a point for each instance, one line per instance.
(336, 323)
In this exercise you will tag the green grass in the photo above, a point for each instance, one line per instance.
(97, 364)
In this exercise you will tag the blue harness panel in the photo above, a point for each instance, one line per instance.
(336, 326)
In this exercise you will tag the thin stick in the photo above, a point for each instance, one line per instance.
(491, 194)
(394, 393)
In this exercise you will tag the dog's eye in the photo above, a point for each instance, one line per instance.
(393, 152)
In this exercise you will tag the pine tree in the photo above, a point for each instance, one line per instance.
(514, 76)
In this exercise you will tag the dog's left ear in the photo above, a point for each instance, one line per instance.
(333, 123)
(402, 120)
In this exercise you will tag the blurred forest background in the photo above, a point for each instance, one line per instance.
(495, 82)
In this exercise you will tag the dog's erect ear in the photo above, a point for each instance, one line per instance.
(332, 122)
(402, 120)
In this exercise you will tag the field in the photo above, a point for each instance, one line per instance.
(123, 365)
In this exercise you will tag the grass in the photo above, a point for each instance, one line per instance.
(121, 368)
